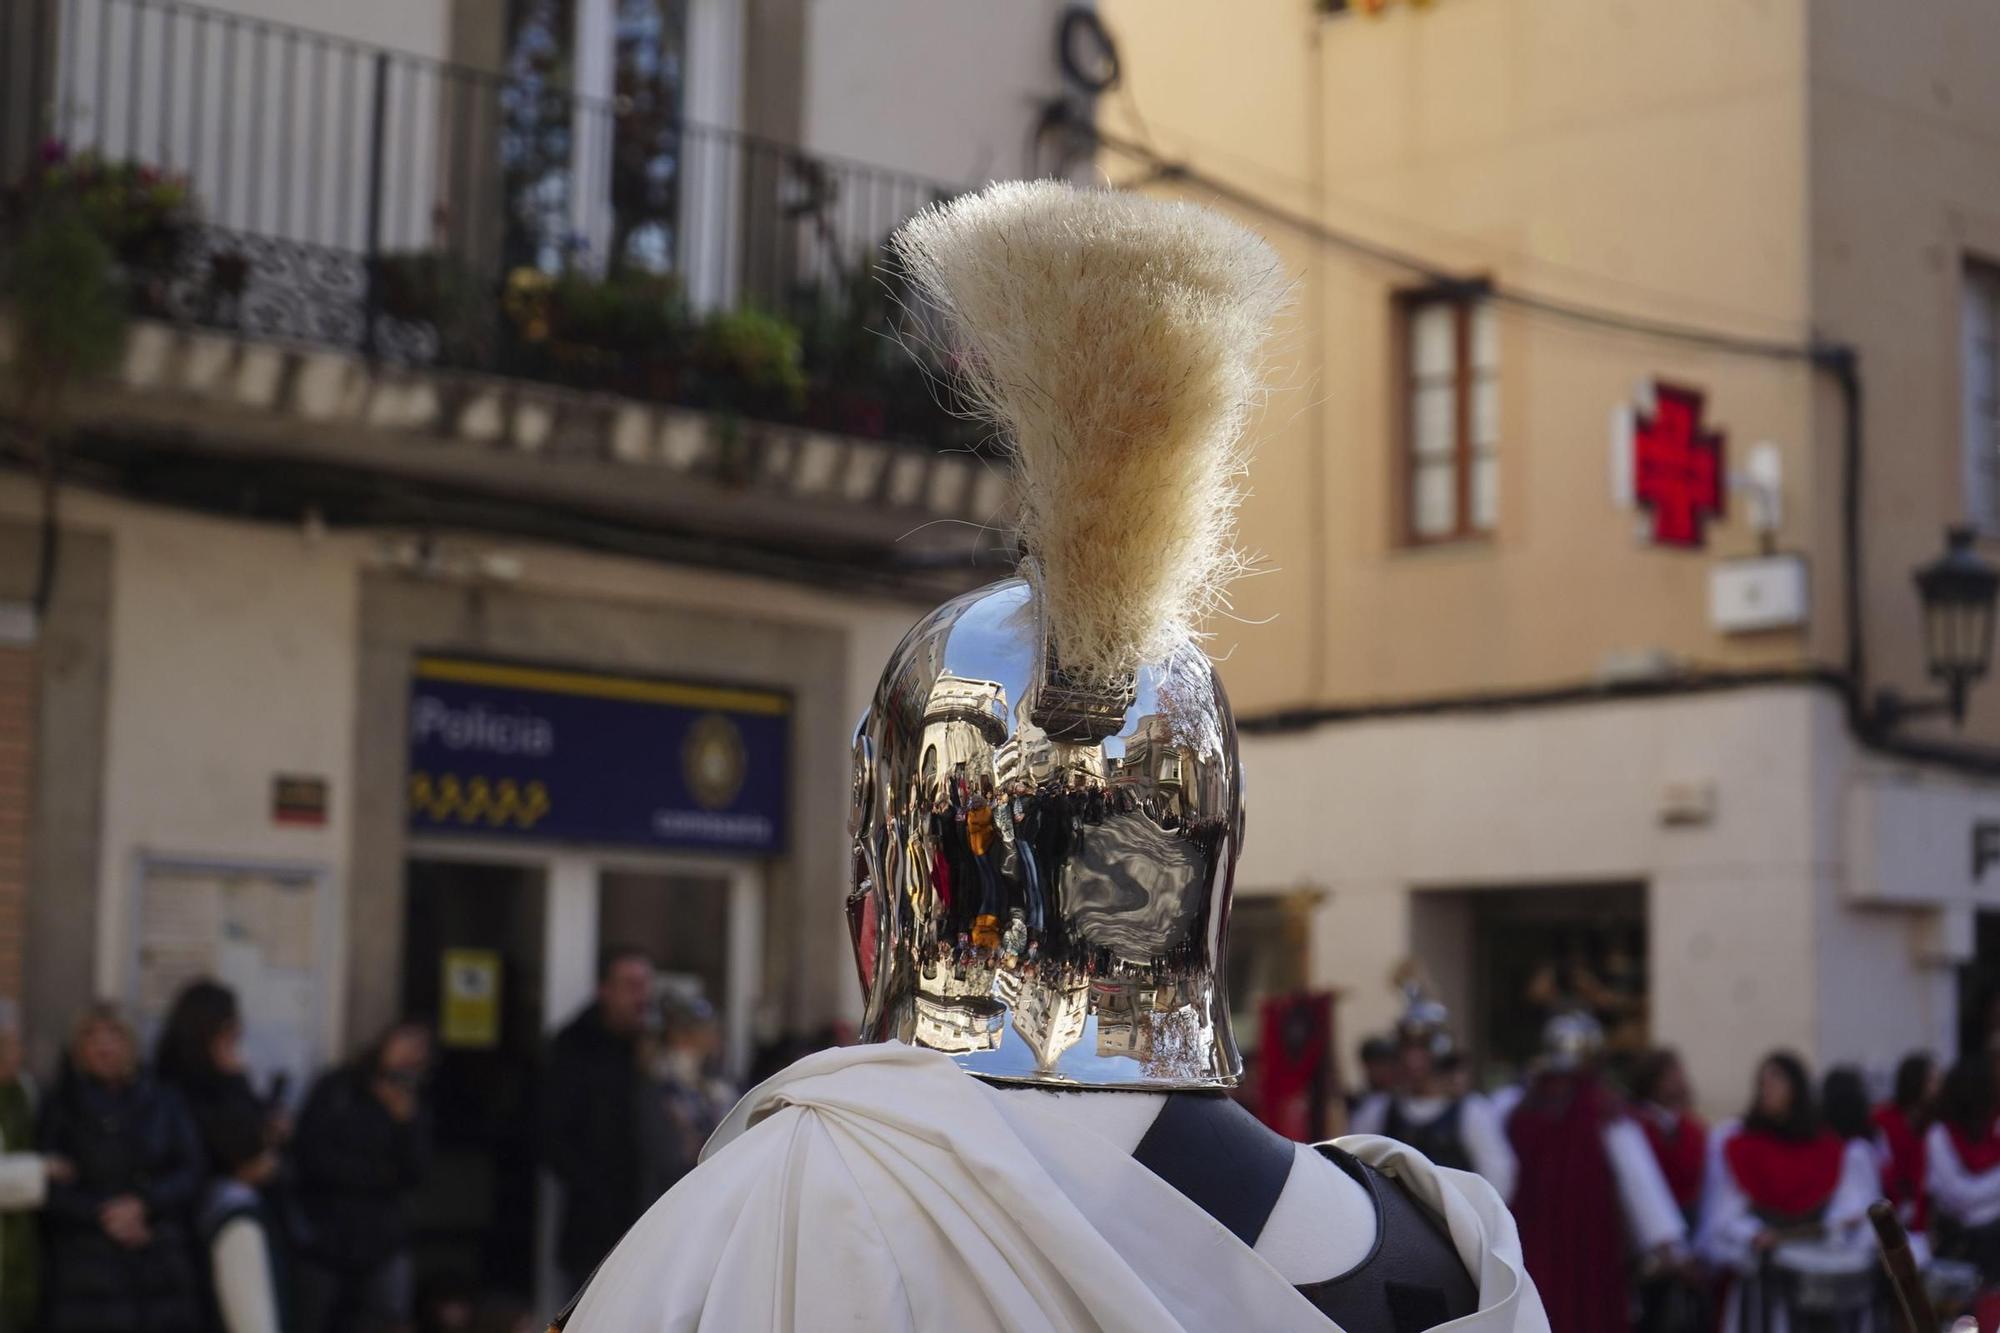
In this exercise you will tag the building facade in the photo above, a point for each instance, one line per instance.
(504, 499)
(1643, 352)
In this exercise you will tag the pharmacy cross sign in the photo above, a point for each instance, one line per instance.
(1677, 467)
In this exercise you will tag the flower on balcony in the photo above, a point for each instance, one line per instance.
(143, 214)
(526, 301)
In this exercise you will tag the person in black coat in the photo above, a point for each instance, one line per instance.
(590, 1130)
(362, 1146)
(119, 1251)
(200, 1056)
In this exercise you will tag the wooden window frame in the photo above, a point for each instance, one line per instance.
(1464, 300)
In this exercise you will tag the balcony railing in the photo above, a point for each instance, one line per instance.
(284, 184)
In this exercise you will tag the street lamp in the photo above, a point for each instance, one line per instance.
(1958, 590)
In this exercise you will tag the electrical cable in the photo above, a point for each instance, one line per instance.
(1165, 168)
(1095, 70)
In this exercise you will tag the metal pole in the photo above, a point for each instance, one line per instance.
(377, 129)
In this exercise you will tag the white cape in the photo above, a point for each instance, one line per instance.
(881, 1188)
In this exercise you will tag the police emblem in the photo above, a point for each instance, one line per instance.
(713, 761)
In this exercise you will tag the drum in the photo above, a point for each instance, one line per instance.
(1826, 1279)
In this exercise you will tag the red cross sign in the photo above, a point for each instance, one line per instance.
(1677, 467)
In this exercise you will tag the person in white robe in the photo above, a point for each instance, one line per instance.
(1768, 1168)
(1037, 1133)
(878, 1187)
(1962, 1168)
(1428, 1111)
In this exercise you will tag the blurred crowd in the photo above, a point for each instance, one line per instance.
(1637, 1215)
(173, 1195)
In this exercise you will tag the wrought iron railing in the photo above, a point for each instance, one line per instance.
(430, 213)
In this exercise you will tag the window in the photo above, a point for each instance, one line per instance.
(1979, 373)
(1450, 471)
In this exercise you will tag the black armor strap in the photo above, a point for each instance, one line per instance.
(1412, 1280)
(1227, 1164)
(1214, 1152)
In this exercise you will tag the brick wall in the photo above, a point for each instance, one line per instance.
(17, 714)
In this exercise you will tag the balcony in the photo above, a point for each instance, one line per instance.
(364, 261)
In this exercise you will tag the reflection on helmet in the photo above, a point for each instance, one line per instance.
(1042, 870)
(1571, 1039)
(1425, 1023)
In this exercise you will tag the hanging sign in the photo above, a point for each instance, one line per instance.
(1668, 462)
(509, 750)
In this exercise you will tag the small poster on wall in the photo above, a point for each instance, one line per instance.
(471, 989)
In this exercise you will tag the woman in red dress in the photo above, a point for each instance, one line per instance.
(1661, 1102)
(1900, 1124)
(1791, 1193)
(1962, 1168)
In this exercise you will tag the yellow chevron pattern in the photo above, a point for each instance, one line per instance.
(448, 799)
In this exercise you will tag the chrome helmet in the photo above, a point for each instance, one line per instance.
(1042, 872)
(1571, 1039)
(1046, 802)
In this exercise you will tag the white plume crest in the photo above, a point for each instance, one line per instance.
(1117, 341)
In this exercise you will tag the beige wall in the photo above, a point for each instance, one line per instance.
(1905, 114)
(1540, 144)
(1767, 168)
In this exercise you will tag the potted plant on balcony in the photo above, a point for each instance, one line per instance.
(417, 285)
(748, 364)
(628, 331)
(60, 285)
(436, 290)
(145, 217)
(851, 351)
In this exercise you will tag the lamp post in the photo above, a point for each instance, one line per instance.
(1958, 590)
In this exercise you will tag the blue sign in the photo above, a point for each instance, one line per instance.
(576, 756)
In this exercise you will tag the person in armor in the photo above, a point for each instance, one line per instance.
(1429, 1110)
(1037, 1132)
(1593, 1208)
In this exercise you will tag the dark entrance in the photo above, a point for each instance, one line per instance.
(475, 1217)
(1979, 988)
(1512, 957)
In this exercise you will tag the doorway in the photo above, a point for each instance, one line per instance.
(1505, 960)
(680, 919)
(1979, 987)
(473, 969)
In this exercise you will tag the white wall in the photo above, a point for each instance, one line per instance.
(232, 661)
(417, 26)
(1566, 796)
(946, 89)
